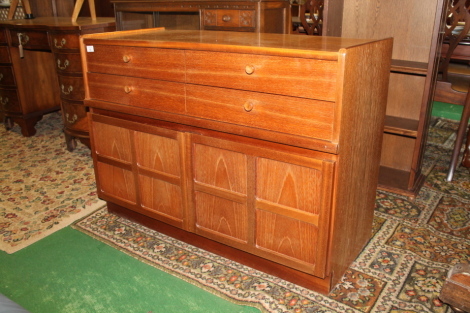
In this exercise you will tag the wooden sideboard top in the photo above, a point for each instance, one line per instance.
(319, 47)
(59, 22)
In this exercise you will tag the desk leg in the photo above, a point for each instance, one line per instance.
(27, 125)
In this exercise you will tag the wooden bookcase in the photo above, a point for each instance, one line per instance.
(415, 27)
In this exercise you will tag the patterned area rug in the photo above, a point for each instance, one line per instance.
(43, 187)
(402, 269)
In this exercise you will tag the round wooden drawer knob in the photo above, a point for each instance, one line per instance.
(249, 69)
(126, 58)
(248, 106)
(127, 89)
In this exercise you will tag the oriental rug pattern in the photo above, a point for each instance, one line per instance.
(402, 269)
(43, 187)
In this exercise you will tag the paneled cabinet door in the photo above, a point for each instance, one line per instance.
(273, 204)
(140, 170)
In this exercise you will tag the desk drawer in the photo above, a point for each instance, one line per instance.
(61, 41)
(270, 74)
(9, 101)
(68, 62)
(138, 92)
(229, 18)
(303, 117)
(137, 62)
(6, 76)
(4, 55)
(71, 88)
(30, 39)
(3, 36)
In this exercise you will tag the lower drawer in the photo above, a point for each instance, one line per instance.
(71, 88)
(9, 101)
(7, 78)
(73, 113)
(290, 115)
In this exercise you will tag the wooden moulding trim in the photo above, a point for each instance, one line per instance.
(321, 285)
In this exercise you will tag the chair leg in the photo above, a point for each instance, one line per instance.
(460, 138)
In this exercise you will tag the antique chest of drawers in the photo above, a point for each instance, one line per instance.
(41, 72)
(261, 147)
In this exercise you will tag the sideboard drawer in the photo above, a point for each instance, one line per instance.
(64, 41)
(137, 62)
(263, 73)
(138, 92)
(30, 39)
(6, 76)
(68, 62)
(71, 88)
(229, 18)
(303, 117)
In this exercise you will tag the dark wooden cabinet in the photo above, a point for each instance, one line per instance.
(249, 145)
(251, 16)
(42, 67)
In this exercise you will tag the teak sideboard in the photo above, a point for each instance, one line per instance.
(263, 148)
(41, 72)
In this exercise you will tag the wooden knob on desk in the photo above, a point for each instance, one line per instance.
(126, 58)
(127, 89)
(249, 69)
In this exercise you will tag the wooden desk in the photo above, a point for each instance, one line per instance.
(259, 16)
(35, 81)
(226, 140)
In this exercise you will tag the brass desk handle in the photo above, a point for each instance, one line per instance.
(73, 120)
(4, 101)
(68, 91)
(226, 18)
(248, 106)
(66, 63)
(126, 59)
(127, 89)
(249, 69)
(62, 43)
(23, 39)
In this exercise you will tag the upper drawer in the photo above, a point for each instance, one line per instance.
(137, 92)
(307, 78)
(162, 64)
(30, 39)
(64, 41)
(229, 18)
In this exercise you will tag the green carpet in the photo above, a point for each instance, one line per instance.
(447, 110)
(71, 272)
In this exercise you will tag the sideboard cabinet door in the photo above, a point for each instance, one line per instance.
(140, 169)
(267, 202)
